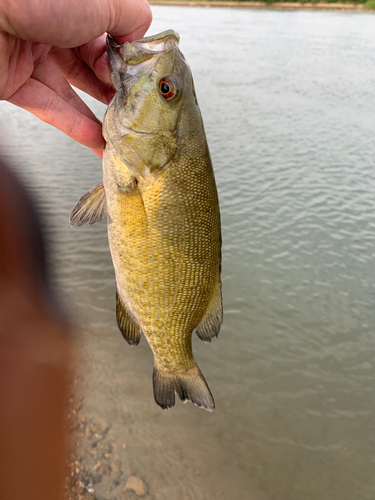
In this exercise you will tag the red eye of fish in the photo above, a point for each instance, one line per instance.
(167, 88)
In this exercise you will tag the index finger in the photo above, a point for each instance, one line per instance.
(70, 23)
(131, 21)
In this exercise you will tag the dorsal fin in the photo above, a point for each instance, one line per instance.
(126, 322)
(91, 207)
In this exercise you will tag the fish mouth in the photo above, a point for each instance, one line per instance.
(141, 56)
(158, 43)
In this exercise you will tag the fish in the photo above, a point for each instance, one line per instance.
(160, 200)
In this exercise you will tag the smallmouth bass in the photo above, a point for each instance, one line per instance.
(159, 197)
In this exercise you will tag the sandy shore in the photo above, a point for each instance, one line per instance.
(262, 5)
(98, 466)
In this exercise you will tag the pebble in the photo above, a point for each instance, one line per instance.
(116, 475)
(89, 496)
(116, 465)
(136, 484)
(104, 470)
(107, 448)
(105, 426)
(96, 479)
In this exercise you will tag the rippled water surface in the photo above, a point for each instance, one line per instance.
(288, 100)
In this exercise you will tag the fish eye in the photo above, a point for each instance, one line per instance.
(167, 88)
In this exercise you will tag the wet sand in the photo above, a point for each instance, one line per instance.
(98, 466)
(262, 5)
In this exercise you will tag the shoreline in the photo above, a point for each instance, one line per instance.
(262, 5)
(98, 465)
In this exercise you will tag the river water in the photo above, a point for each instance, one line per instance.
(288, 104)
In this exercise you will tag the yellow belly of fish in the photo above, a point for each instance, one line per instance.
(165, 244)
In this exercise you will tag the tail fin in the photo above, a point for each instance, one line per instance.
(190, 385)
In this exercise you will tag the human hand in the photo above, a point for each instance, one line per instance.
(46, 45)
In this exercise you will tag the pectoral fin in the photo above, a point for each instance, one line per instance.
(91, 208)
(127, 324)
(211, 322)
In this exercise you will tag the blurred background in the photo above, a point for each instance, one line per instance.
(287, 100)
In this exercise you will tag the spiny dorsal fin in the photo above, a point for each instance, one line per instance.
(189, 385)
(91, 208)
(212, 320)
(128, 326)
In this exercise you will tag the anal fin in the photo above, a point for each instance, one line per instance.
(189, 385)
(212, 320)
(91, 207)
(126, 322)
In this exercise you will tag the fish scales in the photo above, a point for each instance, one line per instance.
(163, 214)
(182, 273)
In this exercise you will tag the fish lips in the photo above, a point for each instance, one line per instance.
(140, 56)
